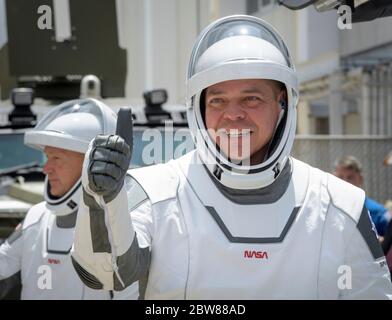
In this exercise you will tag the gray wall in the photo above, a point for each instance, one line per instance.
(365, 35)
(322, 32)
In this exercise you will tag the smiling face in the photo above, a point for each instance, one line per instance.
(63, 169)
(241, 116)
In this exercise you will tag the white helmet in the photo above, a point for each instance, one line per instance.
(70, 126)
(232, 48)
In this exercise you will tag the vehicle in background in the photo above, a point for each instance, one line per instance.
(21, 177)
(160, 134)
(81, 57)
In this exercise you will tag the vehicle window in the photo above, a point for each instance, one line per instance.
(159, 145)
(14, 153)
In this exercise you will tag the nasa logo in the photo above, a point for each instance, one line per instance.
(255, 254)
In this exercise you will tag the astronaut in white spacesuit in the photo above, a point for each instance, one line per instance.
(237, 218)
(37, 255)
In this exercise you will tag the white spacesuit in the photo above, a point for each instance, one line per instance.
(204, 227)
(37, 254)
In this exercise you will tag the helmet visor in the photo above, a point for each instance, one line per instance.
(71, 107)
(240, 47)
(71, 126)
(245, 36)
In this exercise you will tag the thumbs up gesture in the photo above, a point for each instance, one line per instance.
(108, 158)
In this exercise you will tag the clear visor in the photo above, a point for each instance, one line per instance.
(72, 107)
(241, 37)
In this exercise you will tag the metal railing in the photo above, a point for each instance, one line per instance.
(322, 151)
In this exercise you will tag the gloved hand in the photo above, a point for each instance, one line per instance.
(109, 160)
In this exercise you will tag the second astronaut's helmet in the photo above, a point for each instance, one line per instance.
(70, 126)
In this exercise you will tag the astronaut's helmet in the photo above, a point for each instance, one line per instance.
(70, 126)
(234, 48)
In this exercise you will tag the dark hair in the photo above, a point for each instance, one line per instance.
(278, 88)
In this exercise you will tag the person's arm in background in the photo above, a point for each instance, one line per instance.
(10, 264)
(380, 216)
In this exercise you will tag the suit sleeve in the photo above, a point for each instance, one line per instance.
(368, 275)
(10, 263)
(112, 241)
